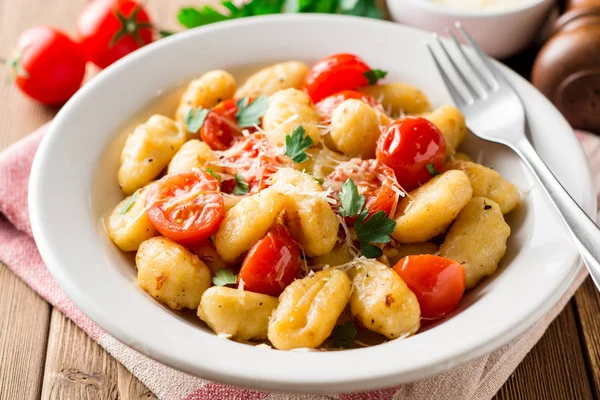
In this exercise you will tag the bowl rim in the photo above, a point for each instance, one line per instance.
(321, 385)
(429, 6)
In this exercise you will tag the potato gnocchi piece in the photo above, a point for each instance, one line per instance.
(402, 250)
(458, 156)
(430, 209)
(247, 222)
(171, 274)
(451, 122)
(477, 239)
(207, 253)
(399, 98)
(239, 314)
(321, 162)
(129, 226)
(490, 184)
(381, 301)
(308, 217)
(193, 154)
(287, 110)
(339, 255)
(308, 310)
(207, 91)
(148, 151)
(272, 79)
(355, 128)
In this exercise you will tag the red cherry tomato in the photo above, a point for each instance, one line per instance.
(272, 264)
(111, 29)
(326, 106)
(408, 145)
(438, 283)
(335, 73)
(254, 159)
(373, 179)
(48, 66)
(187, 206)
(220, 127)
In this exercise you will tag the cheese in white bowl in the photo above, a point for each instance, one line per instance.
(482, 5)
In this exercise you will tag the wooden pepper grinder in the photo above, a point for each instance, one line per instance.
(567, 68)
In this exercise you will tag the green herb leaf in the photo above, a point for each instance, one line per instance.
(224, 277)
(377, 229)
(343, 335)
(192, 17)
(374, 75)
(352, 201)
(216, 176)
(241, 186)
(131, 201)
(296, 145)
(164, 34)
(195, 119)
(361, 8)
(319, 180)
(250, 114)
(432, 170)
(370, 251)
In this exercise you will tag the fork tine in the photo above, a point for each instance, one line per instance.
(484, 81)
(474, 92)
(456, 95)
(491, 69)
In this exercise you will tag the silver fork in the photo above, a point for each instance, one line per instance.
(494, 112)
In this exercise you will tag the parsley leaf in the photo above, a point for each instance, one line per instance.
(296, 145)
(216, 176)
(363, 8)
(377, 229)
(432, 170)
(241, 186)
(343, 335)
(164, 34)
(249, 114)
(195, 119)
(319, 180)
(352, 201)
(224, 277)
(192, 17)
(132, 200)
(374, 75)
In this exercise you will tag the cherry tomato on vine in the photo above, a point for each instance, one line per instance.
(186, 207)
(272, 264)
(111, 29)
(414, 148)
(374, 180)
(47, 65)
(438, 283)
(336, 73)
(326, 106)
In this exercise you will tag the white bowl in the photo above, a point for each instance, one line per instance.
(73, 183)
(499, 33)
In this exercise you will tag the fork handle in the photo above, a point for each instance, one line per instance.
(584, 230)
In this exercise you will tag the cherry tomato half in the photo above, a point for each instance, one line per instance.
(48, 66)
(272, 264)
(408, 145)
(220, 127)
(326, 106)
(335, 73)
(187, 206)
(373, 179)
(111, 29)
(254, 158)
(438, 283)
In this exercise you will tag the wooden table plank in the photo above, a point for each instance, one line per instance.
(555, 369)
(587, 307)
(77, 368)
(24, 319)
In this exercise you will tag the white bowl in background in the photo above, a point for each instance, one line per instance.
(73, 183)
(500, 33)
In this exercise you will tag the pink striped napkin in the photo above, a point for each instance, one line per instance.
(480, 379)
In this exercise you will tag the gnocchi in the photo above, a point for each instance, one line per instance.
(283, 220)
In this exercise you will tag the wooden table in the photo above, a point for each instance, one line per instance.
(44, 355)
